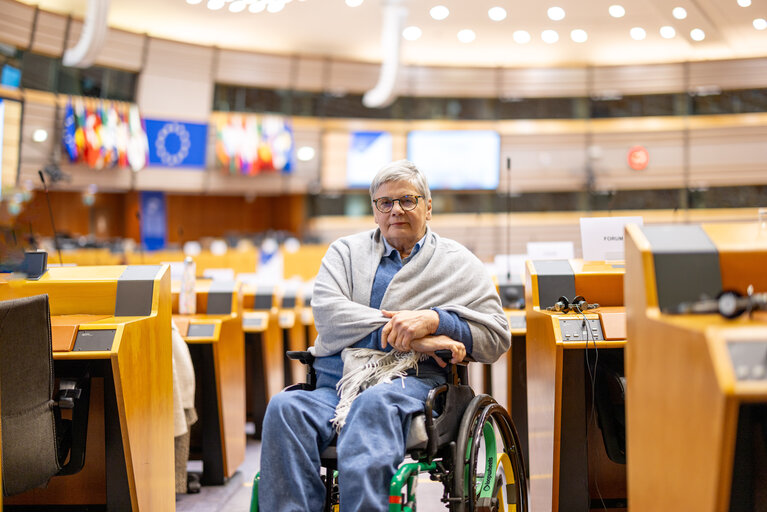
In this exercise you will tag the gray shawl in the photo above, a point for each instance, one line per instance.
(442, 274)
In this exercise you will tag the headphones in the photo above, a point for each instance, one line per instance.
(578, 305)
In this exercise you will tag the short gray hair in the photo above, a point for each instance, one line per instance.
(401, 170)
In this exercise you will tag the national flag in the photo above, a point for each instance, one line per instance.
(68, 133)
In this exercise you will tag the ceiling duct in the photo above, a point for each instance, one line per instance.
(92, 38)
(382, 95)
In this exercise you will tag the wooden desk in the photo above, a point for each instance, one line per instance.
(217, 346)
(126, 348)
(564, 444)
(696, 381)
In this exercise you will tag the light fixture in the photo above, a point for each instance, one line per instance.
(760, 24)
(466, 35)
(39, 135)
(638, 33)
(238, 6)
(616, 11)
(354, 3)
(305, 153)
(679, 13)
(697, 34)
(667, 32)
(744, 3)
(439, 12)
(497, 13)
(257, 6)
(215, 5)
(521, 36)
(556, 13)
(411, 33)
(579, 35)
(275, 6)
(550, 36)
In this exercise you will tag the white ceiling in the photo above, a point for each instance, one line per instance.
(331, 28)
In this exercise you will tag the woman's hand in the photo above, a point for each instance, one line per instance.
(406, 326)
(430, 344)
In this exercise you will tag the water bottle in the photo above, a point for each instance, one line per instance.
(187, 299)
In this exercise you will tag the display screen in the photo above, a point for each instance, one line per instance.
(368, 152)
(457, 159)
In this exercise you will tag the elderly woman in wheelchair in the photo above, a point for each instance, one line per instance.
(389, 305)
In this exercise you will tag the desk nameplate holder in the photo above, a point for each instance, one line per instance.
(94, 340)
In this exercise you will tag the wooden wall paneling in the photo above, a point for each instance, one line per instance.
(310, 74)
(36, 154)
(543, 82)
(352, 77)
(544, 162)
(729, 74)
(49, 33)
(728, 156)
(11, 142)
(121, 49)
(640, 79)
(309, 170)
(131, 225)
(453, 82)
(247, 68)
(15, 23)
(335, 146)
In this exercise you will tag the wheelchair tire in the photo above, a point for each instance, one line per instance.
(483, 421)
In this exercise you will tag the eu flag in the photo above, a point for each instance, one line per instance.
(176, 144)
(68, 134)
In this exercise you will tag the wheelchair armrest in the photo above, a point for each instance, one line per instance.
(444, 428)
(75, 395)
(461, 371)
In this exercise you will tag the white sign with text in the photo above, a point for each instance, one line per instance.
(602, 237)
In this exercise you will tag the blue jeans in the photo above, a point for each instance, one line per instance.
(370, 446)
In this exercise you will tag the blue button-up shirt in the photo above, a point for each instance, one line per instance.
(330, 369)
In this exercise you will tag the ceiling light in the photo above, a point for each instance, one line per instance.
(579, 35)
(744, 3)
(556, 13)
(439, 12)
(275, 6)
(466, 35)
(215, 5)
(679, 13)
(550, 36)
(638, 33)
(697, 34)
(523, 36)
(354, 3)
(193, 2)
(667, 32)
(39, 135)
(305, 153)
(497, 13)
(760, 24)
(411, 33)
(617, 11)
(238, 6)
(257, 6)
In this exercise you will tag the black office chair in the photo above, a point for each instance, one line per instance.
(455, 441)
(36, 441)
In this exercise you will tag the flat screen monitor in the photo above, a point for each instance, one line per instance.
(457, 159)
(368, 152)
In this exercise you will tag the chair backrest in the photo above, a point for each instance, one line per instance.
(29, 446)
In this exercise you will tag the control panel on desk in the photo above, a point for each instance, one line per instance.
(581, 329)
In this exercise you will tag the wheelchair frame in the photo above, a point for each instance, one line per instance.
(461, 453)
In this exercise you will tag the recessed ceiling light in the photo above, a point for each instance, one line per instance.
(760, 24)
(744, 3)
(354, 3)
(411, 33)
(550, 36)
(238, 6)
(667, 32)
(523, 36)
(679, 13)
(193, 2)
(257, 6)
(579, 35)
(466, 35)
(497, 13)
(638, 33)
(616, 11)
(439, 12)
(40, 135)
(556, 13)
(275, 6)
(305, 153)
(215, 5)
(697, 34)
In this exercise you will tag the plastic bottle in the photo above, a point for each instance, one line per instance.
(187, 299)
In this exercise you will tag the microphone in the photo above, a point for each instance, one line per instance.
(140, 237)
(508, 220)
(50, 212)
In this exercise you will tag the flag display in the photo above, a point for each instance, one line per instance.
(251, 144)
(176, 144)
(104, 134)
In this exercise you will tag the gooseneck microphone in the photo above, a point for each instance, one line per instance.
(140, 236)
(50, 212)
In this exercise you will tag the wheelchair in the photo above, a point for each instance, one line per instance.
(468, 443)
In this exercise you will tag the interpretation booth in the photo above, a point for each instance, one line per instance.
(696, 361)
(217, 346)
(574, 362)
(112, 324)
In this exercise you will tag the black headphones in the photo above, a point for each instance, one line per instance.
(578, 305)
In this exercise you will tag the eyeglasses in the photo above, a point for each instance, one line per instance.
(407, 203)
